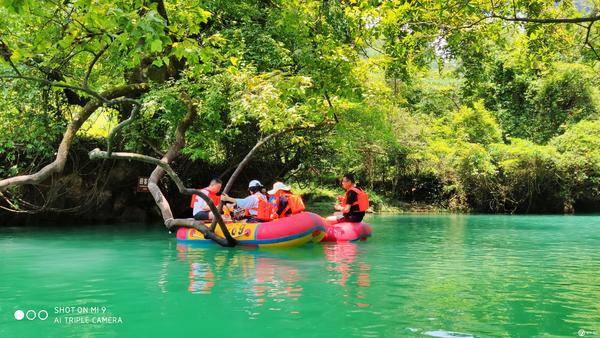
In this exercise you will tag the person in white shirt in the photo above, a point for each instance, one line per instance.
(256, 206)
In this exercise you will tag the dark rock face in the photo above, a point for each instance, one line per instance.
(94, 192)
(104, 193)
(100, 192)
(133, 214)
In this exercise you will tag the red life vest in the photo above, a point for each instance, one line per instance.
(362, 199)
(294, 204)
(264, 210)
(212, 195)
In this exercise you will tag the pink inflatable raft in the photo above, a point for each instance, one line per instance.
(345, 231)
(291, 231)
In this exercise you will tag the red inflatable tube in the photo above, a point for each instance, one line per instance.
(345, 231)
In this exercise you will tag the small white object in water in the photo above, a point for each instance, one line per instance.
(448, 334)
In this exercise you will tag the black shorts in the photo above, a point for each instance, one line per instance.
(353, 217)
(201, 215)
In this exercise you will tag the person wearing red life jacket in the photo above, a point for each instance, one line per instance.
(354, 203)
(285, 202)
(256, 206)
(201, 211)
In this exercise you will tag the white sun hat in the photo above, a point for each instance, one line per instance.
(279, 186)
(254, 183)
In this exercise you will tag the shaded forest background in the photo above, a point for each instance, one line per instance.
(467, 106)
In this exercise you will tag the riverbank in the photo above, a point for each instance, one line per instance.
(321, 200)
(126, 205)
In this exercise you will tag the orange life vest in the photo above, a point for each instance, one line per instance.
(264, 210)
(294, 204)
(212, 195)
(362, 199)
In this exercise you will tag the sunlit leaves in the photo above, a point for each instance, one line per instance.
(274, 100)
(186, 17)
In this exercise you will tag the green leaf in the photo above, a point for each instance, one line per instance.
(156, 46)
(157, 62)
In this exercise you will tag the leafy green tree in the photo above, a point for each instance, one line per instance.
(579, 164)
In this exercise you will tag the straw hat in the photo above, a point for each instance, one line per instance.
(279, 186)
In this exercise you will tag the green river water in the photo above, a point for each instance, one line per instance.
(419, 275)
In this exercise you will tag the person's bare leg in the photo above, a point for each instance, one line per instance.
(335, 218)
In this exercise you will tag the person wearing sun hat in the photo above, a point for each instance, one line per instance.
(286, 203)
(256, 207)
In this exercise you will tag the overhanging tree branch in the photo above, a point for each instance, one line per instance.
(86, 90)
(6, 53)
(162, 167)
(515, 18)
(249, 156)
(587, 41)
(97, 57)
(73, 127)
(240, 167)
(118, 127)
(162, 203)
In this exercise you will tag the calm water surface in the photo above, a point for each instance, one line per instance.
(419, 275)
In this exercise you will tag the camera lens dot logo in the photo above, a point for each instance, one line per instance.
(19, 315)
(43, 315)
(30, 314)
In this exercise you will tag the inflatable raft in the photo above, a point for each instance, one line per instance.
(346, 231)
(290, 231)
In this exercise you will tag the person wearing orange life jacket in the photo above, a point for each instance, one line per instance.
(354, 203)
(201, 211)
(285, 203)
(256, 206)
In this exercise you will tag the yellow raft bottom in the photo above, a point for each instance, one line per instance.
(245, 234)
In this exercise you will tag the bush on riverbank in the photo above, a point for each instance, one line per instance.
(321, 199)
(517, 175)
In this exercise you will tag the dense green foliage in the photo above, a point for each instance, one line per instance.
(438, 101)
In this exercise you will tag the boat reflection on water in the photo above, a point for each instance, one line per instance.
(255, 271)
(202, 279)
(274, 279)
(347, 271)
(269, 279)
(201, 276)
